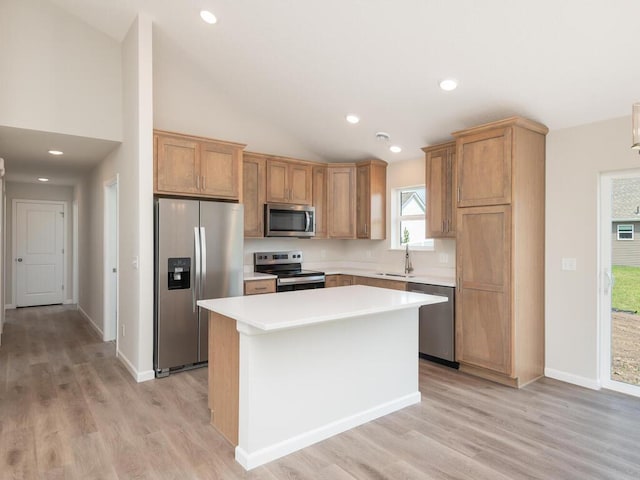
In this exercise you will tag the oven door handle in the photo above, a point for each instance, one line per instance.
(295, 280)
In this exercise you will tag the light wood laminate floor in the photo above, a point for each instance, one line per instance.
(69, 410)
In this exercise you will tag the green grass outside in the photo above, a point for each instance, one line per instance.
(626, 289)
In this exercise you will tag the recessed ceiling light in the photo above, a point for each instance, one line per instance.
(55, 152)
(208, 17)
(43, 179)
(448, 84)
(353, 119)
(395, 148)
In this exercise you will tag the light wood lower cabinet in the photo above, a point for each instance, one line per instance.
(380, 282)
(483, 335)
(257, 287)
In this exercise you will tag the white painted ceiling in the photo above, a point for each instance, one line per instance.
(305, 64)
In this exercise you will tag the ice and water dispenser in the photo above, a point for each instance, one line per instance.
(179, 273)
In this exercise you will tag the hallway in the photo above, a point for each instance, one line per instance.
(69, 409)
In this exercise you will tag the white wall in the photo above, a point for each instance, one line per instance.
(89, 196)
(57, 74)
(133, 161)
(575, 158)
(187, 101)
(31, 191)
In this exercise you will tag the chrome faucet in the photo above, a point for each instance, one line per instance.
(407, 261)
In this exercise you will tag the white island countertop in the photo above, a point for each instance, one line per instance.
(284, 310)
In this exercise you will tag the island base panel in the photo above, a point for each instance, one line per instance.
(224, 366)
(302, 385)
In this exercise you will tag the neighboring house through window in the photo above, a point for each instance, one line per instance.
(625, 232)
(409, 219)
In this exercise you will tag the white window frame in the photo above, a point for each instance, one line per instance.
(628, 225)
(396, 219)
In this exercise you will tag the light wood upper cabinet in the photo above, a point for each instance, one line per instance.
(341, 200)
(439, 169)
(484, 168)
(500, 251)
(220, 165)
(254, 195)
(196, 166)
(177, 165)
(288, 181)
(371, 194)
(319, 188)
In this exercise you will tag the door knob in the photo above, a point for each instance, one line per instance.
(19, 259)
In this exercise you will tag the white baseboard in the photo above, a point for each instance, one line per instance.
(9, 306)
(571, 378)
(68, 301)
(91, 322)
(272, 452)
(138, 376)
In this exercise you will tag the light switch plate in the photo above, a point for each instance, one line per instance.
(568, 264)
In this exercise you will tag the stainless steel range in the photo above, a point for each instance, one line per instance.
(288, 267)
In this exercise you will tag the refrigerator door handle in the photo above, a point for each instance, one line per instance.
(196, 288)
(203, 276)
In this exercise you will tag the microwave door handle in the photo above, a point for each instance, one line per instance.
(307, 225)
(203, 276)
(194, 289)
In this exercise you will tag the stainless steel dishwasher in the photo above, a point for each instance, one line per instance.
(437, 325)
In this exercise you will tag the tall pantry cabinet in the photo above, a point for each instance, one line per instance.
(500, 170)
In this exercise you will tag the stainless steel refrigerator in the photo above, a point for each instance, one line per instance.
(198, 255)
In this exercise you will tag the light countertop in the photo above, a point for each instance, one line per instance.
(279, 311)
(417, 278)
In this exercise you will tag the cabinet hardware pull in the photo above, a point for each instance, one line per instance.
(458, 194)
(204, 182)
(444, 225)
(260, 288)
(197, 182)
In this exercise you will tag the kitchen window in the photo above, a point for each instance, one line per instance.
(625, 232)
(409, 219)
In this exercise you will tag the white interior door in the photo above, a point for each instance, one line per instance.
(39, 253)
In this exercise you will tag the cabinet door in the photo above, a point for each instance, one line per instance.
(300, 184)
(319, 189)
(484, 168)
(436, 190)
(220, 170)
(177, 165)
(277, 181)
(253, 193)
(363, 203)
(341, 201)
(345, 280)
(484, 333)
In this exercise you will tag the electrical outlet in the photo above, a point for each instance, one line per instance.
(369, 254)
(323, 253)
(134, 262)
(443, 258)
(568, 264)
(123, 330)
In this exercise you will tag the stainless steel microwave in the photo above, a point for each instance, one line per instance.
(282, 220)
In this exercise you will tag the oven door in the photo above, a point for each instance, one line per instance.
(290, 284)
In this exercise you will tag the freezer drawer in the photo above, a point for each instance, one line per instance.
(437, 324)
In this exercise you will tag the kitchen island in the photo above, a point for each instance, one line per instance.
(289, 369)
